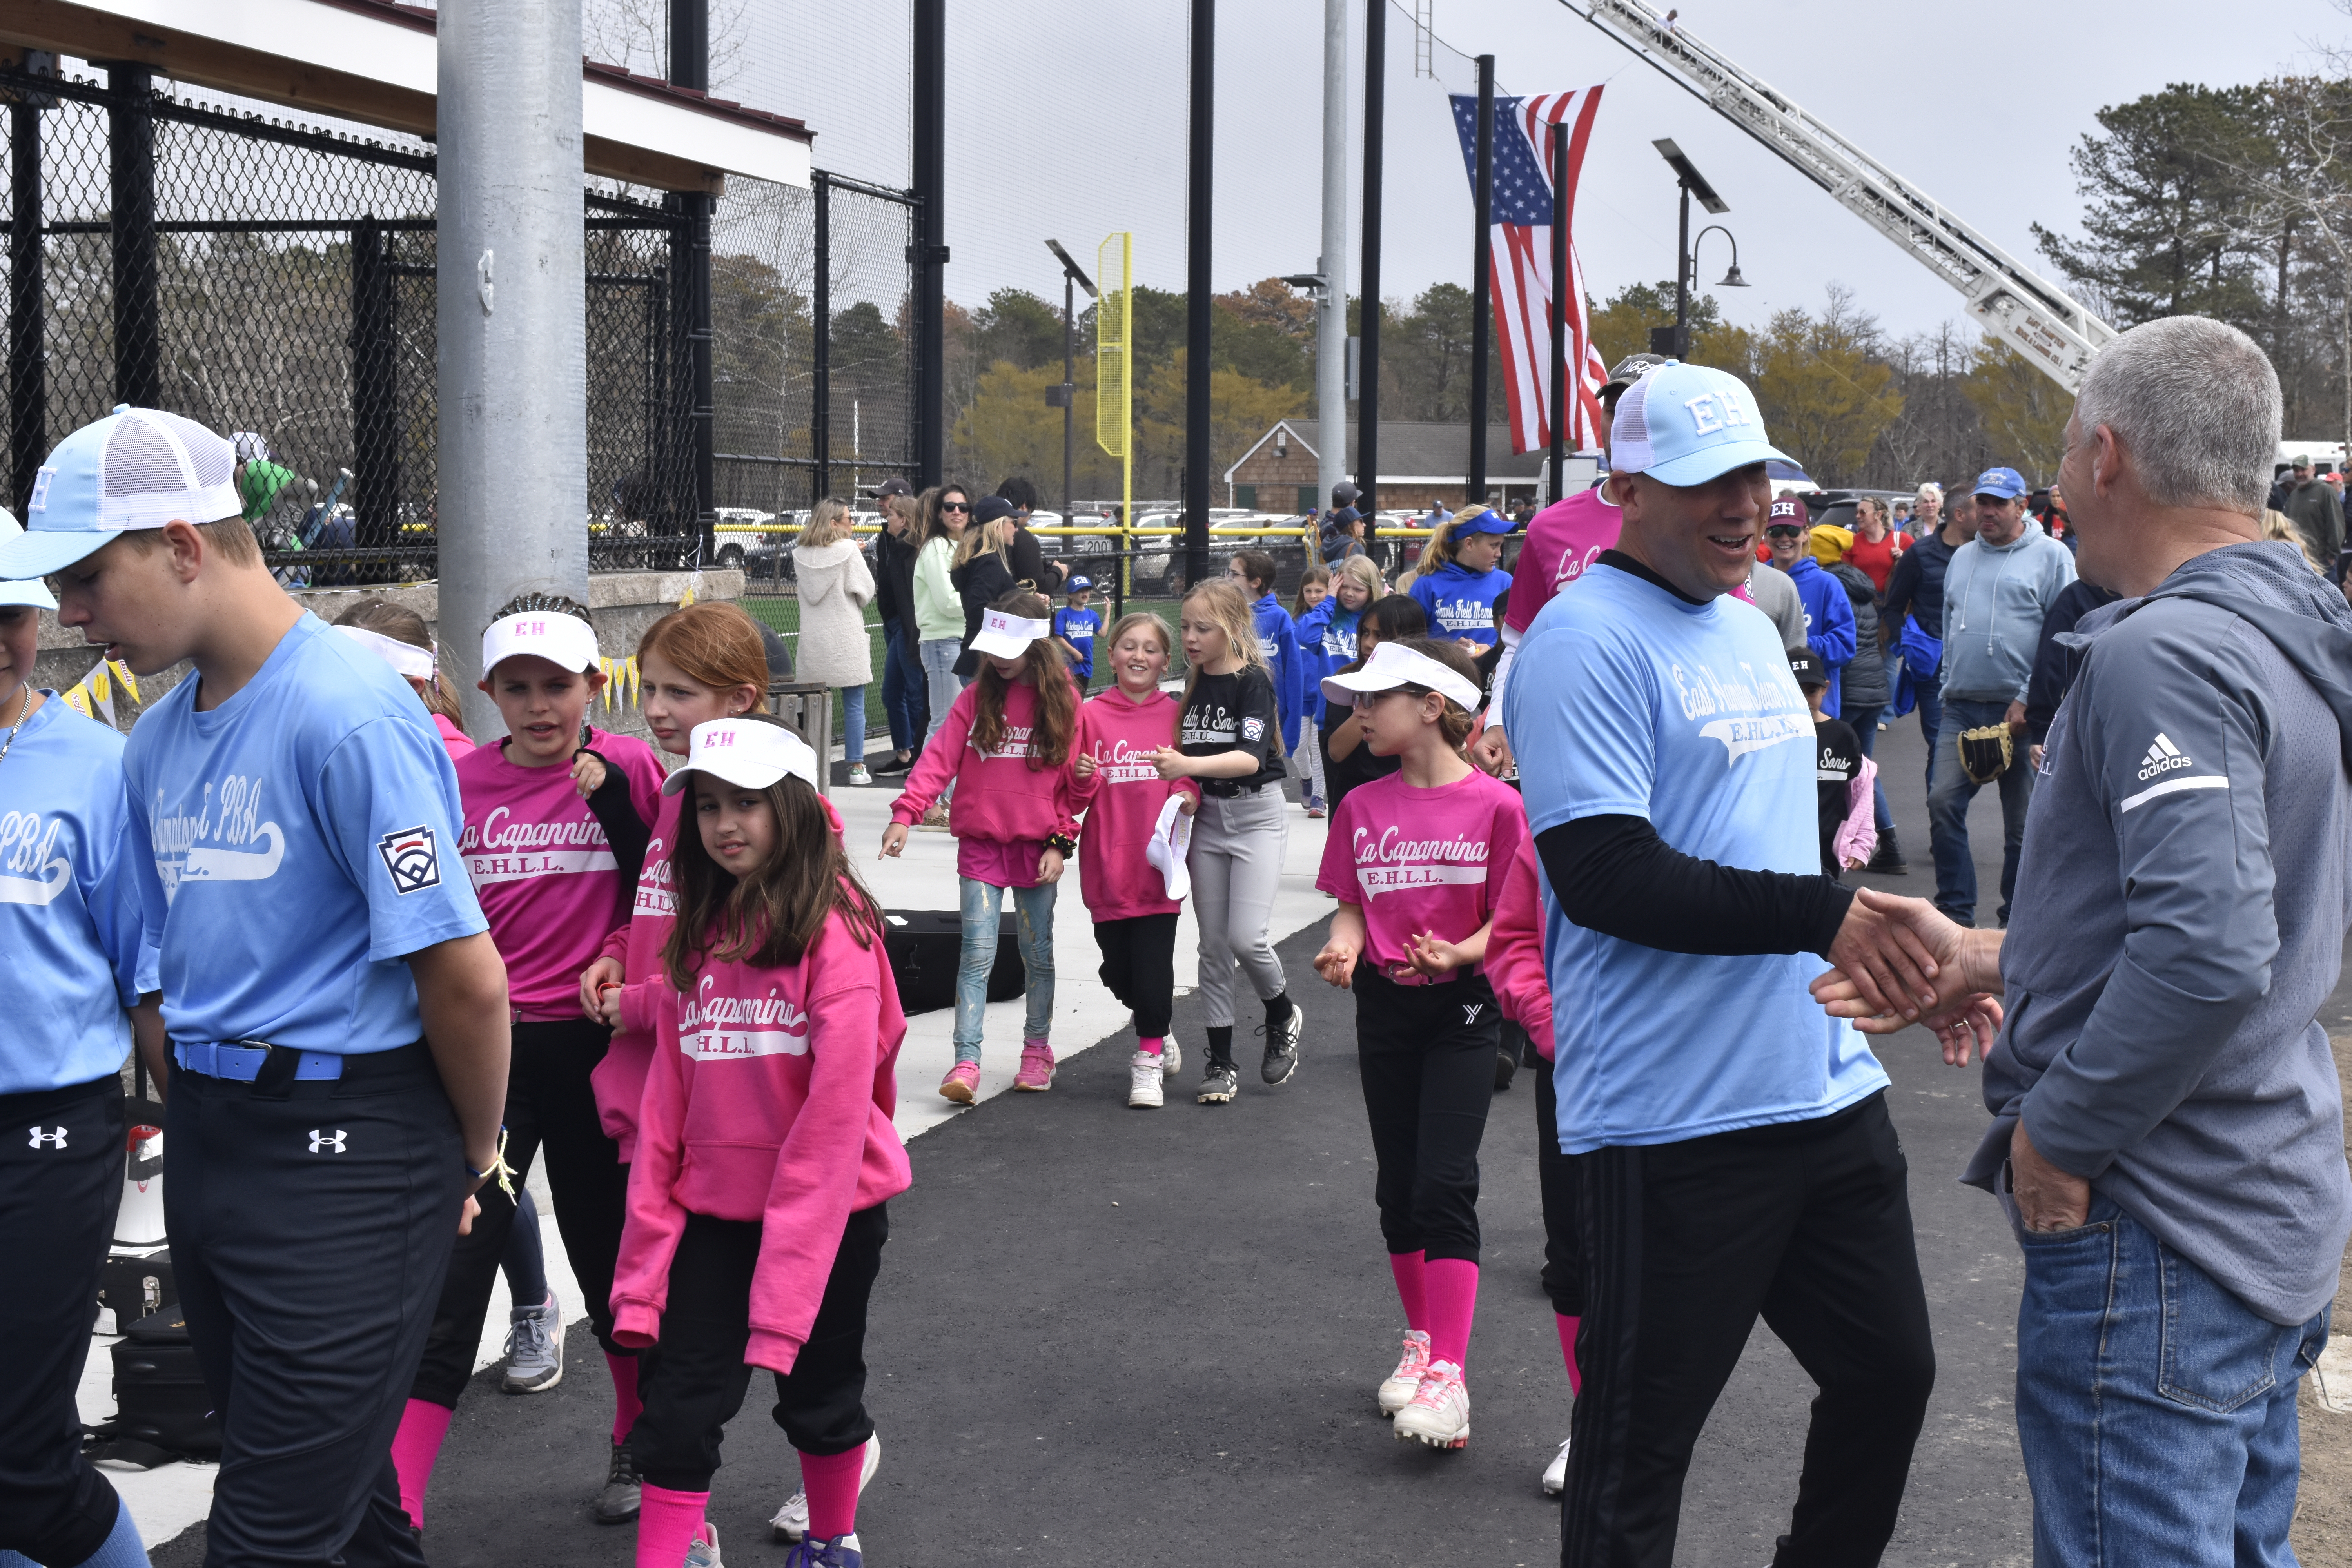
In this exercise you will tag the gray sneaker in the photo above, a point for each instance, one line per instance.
(624, 1493)
(1219, 1084)
(1281, 1048)
(534, 1348)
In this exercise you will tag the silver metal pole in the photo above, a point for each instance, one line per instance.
(511, 295)
(1331, 326)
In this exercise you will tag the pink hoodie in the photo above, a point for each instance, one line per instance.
(769, 1103)
(541, 864)
(460, 744)
(1123, 803)
(1514, 950)
(619, 1080)
(1005, 810)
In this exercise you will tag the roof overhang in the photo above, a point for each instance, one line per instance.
(385, 71)
(1271, 431)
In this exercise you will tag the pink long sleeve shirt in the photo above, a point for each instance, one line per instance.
(1123, 803)
(1514, 956)
(769, 1101)
(619, 1080)
(1005, 810)
(542, 868)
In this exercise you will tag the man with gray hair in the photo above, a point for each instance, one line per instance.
(2168, 1139)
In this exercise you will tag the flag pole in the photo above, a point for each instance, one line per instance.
(1560, 286)
(1482, 266)
(1368, 359)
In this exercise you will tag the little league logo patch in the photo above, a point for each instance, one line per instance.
(411, 860)
(1253, 729)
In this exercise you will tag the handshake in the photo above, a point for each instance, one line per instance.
(1900, 961)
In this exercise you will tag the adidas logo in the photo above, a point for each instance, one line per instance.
(2162, 757)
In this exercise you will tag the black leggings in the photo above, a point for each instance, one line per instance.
(820, 1403)
(1427, 1055)
(548, 1100)
(1563, 1269)
(1138, 964)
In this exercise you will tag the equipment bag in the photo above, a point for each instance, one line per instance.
(162, 1409)
(925, 948)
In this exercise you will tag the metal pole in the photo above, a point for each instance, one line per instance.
(1197, 306)
(1368, 357)
(131, 160)
(1069, 383)
(930, 235)
(821, 410)
(510, 290)
(1331, 335)
(1560, 285)
(1682, 280)
(1482, 267)
(689, 66)
(375, 393)
(29, 359)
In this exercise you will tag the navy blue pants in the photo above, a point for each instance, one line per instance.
(60, 1179)
(309, 1234)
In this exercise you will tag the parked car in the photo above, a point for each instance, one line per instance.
(733, 537)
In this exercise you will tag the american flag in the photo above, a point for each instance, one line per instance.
(1521, 241)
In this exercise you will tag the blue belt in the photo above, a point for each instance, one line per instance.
(240, 1061)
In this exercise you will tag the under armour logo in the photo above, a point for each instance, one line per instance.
(330, 1143)
(54, 1140)
(1470, 1010)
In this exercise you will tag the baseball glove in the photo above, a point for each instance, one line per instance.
(1985, 751)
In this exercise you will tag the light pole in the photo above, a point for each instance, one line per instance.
(1675, 342)
(1065, 395)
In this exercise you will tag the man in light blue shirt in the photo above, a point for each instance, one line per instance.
(1732, 1144)
(337, 1012)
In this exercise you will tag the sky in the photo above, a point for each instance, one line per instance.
(1066, 118)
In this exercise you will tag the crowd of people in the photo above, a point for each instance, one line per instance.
(1603, 802)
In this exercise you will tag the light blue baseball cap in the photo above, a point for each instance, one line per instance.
(2006, 483)
(137, 468)
(31, 591)
(1684, 425)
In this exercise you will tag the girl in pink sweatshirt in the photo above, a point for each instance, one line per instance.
(765, 1151)
(1416, 860)
(1005, 745)
(557, 815)
(1125, 799)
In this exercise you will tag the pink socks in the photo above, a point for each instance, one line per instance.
(831, 1482)
(1409, 1268)
(1150, 1048)
(625, 1403)
(1451, 1288)
(415, 1446)
(1568, 1351)
(666, 1521)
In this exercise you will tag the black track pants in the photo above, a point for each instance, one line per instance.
(1427, 1056)
(1138, 964)
(1563, 1269)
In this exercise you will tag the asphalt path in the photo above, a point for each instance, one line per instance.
(1110, 1336)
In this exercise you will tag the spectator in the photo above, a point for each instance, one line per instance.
(2168, 1139)
(939, 611)
(2276, 526)
(2283, 486)
(1915, 591)
(2316, 509)
(835, 647)
(895, 549)
(1863, 693)
(982, 573)
(1903, 515)
(1026, 555)
(1829, 618)
(2055, 664)
(1997, 592)
(1343, 535)
(1769, 590)
(1876, 544)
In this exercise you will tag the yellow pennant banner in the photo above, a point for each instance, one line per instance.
(622, 684)
(92, 696)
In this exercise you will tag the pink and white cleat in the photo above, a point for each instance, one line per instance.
(1397, 1392)
(1036, 1073)
(962, 1084)
(1439, 1413)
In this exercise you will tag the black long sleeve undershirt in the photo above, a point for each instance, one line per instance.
(1615, 875)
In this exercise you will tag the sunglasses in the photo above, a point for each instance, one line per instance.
(1784, 530)
(955, 506)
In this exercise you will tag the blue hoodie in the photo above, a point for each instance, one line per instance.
(1460, 602)
(1829, 621)
(1327, 640)
(1278, 639)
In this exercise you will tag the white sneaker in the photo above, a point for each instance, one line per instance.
(858, 775)
(1439, 1414)
(1555, 1476)
(1143, 1074)
(1397, 1392)
(702, 1552)
(1171, 1055)
(791, 1524)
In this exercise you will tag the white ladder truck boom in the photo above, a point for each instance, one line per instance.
(2024, 310)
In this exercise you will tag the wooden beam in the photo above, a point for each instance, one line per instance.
(644, 166)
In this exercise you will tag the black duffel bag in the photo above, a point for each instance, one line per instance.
(925, 947)
(162, 1411)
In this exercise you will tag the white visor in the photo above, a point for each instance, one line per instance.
(752, 753)
(406, 658)
(566, 641)
(1007, 636)
(1393, 664)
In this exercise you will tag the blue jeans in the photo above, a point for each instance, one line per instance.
(982, 904)
(853, 725)
(2155, 1410)
(1865, 731)
(938, 655)
(902, 689)
(1949, 790)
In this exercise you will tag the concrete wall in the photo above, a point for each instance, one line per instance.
(621, 606)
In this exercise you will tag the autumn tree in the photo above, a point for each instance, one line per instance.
(1825, 391)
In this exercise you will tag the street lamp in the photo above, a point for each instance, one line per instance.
(1065, 396)
(1731, 280)
(1675, 341)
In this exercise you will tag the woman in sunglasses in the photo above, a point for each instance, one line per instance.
(939, 608)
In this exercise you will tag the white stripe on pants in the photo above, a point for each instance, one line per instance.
(1237, 865)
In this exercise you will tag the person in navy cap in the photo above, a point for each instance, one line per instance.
(1998, 588)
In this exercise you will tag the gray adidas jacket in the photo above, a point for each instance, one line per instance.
(2180, 920)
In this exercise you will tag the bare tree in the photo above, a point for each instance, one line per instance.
(634, 35)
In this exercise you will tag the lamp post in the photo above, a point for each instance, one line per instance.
(1065, 396)
(1675, 341)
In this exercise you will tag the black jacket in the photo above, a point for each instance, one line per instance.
(894, 580)
(1863, 683)
(981, 581)
(2054, 665)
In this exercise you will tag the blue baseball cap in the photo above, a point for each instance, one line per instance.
(2002, 483)
(1487, 521)
(1078, 585)
(1684, 425)
(137, 468)
(30, 591)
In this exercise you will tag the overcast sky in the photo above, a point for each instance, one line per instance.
(1066, 118)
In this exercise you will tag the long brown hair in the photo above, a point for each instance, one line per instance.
(769, 918)
(1057, 697)
(929, 524)
(400, 623)
(713, 643)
